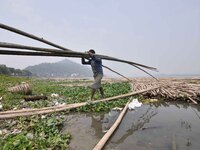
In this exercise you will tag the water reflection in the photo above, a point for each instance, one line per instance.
(138, 124)
(159, 126)
(152, 126)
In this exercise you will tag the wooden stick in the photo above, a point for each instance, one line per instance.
(192, 100)
(85, 55)
(105, 138)
(62, 54)
(117, 73)
(9, 28)
(45, 110)
(35, 97)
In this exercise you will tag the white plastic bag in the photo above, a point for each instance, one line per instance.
(134, 104)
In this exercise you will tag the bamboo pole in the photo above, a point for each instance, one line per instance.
(45, 110)
(80, 54)
(9, 28)
(105, 138)
(117, 73)
(12, 29)
(61, 54)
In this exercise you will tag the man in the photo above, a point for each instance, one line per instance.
(96, 65)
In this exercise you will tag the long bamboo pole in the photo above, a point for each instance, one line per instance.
(9, 28)
(85, 55)
(45, 110)
(59, 54)
(105, 138)
(117, 73)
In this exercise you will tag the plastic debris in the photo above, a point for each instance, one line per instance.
(134, 104)
(43, 116)
(1, 106)
(117, 108)
(1, 98)
(54, 95)
(29, 136)
(146, 101)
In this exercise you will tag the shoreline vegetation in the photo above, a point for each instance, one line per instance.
(44, 131)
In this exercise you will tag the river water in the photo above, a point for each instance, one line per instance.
(160, 126)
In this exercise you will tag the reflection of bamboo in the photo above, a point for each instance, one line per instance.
(173, 142)
(196, 113)
(145, 119)
(105, 138)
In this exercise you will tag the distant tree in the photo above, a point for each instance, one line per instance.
(15, 72)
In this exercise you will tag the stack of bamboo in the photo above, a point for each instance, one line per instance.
(23, 88)
(171, 89)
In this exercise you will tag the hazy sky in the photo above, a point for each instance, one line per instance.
(160, 33)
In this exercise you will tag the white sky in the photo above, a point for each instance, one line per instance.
(160, 33)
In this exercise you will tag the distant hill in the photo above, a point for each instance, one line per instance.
(64, 68)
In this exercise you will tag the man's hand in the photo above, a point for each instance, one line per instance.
(90, 54)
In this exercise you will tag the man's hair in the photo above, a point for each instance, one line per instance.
(92, 51)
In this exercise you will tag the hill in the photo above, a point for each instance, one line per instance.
(64, 68)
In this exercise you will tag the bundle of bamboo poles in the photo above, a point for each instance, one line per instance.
(23, 88)
(171, 89)
(10, 49)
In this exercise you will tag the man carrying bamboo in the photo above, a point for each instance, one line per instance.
(96, 64)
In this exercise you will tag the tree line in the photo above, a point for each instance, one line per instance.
(13, 72)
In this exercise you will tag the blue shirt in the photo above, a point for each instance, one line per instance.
(96, 64)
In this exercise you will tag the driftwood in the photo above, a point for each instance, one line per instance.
(105, 138)
(35, 97)
(45, 110)
(23, 88)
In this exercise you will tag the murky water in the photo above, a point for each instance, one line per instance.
(160, 126)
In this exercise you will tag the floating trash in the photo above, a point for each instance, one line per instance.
(117, 108)
(134, 104)
(153, 100)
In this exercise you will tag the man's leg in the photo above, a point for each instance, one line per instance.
(102, 92)
(92, 93)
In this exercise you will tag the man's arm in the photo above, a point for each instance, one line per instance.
(94, 57)
(85, 62)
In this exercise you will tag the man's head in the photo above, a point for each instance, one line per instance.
(92, 51)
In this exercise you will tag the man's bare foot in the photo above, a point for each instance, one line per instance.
(89, 102)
